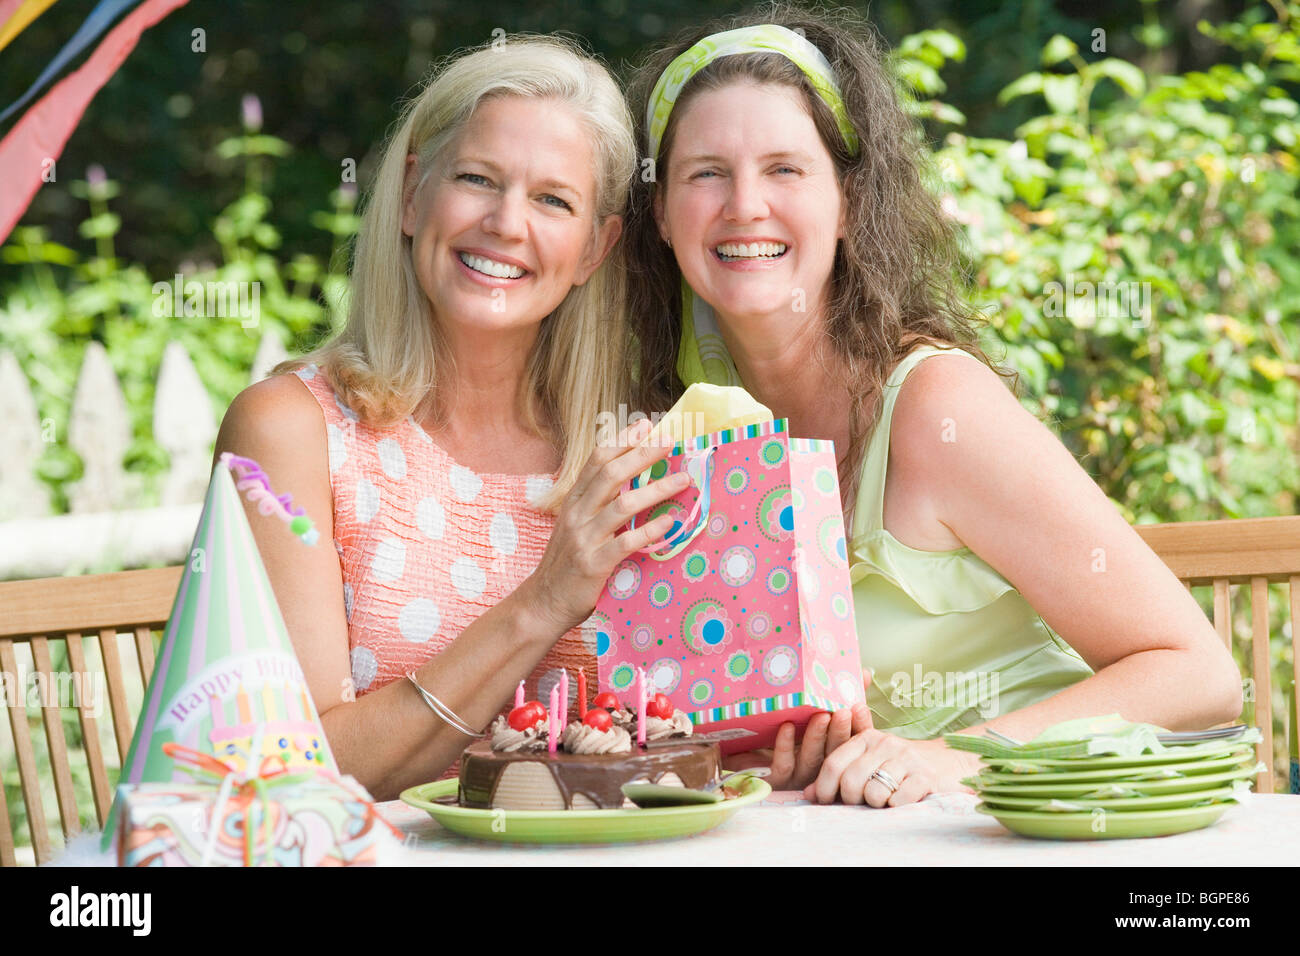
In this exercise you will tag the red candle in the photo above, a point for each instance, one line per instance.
(640, 707)
(582, 693)
(553, 731)
(519, 695)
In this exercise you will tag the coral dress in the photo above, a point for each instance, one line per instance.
(427, 545)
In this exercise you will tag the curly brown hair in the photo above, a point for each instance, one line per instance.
(897, 275)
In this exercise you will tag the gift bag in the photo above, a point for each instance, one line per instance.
(744, 617)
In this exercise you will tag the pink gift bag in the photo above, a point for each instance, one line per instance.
(744, 618)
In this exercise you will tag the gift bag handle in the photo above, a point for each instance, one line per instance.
(687, 531)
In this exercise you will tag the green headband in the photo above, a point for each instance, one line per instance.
(767, 38)
(702, 355)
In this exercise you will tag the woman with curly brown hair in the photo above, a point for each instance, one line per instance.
(786, 242)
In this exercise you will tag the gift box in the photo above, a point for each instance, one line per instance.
(300, 820)
(745, 618)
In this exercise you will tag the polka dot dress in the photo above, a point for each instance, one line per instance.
(427, 545)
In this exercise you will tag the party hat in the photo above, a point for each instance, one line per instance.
(227, 681)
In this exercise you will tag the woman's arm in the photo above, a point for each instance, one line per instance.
(1011, 491)
(390, 739)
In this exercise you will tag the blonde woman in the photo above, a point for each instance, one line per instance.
(449, 432)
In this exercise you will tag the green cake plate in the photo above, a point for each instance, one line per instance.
(580, 826)
(1103, 825)
(1037, 787)
(1054, 804)
(1033, 765)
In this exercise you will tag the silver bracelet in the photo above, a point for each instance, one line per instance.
(442, 710)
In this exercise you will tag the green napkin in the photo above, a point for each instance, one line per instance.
(1109, 735)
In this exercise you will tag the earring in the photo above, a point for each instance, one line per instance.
(669, 241)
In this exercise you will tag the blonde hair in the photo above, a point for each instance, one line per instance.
(387, 361)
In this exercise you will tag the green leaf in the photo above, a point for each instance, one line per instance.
(1029, 83)
(1062, 92)
(1131, 79)
(1058, 48)
(101, 226)
(921, 77)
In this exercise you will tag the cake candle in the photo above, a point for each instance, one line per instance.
(564, 697)
(552, 732)
(640, 707)
(582, 693)
(519, 695)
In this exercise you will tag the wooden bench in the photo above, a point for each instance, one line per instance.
(1252, 553)
(73, 611)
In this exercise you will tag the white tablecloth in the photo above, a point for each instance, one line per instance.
(944, 829)
(785, 830)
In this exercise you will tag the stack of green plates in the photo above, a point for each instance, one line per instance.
(1105, 778)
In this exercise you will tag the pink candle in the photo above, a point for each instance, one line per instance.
(582, 693)
(640, 707)
(519, 695)
(564, 698)
(550, 719)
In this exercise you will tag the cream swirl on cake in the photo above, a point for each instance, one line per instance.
(656, 728)
(505, 738)
(581, 739)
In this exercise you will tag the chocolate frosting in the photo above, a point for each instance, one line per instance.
(597, 777)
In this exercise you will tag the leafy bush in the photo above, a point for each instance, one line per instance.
(1180, 400)
(63, 301)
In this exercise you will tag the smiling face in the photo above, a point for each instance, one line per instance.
(503, 224)
(751, 204)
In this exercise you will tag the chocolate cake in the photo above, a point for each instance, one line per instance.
(565, 781)
(520, 768)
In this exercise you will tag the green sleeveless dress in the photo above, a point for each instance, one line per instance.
(949, 641)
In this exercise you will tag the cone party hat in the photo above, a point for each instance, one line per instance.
(227, 681)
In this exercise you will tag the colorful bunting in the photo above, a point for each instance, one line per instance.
(25, 13)
(96, 23)
(38, 138)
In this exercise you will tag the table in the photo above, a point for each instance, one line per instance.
(786, 830)
(944, 829)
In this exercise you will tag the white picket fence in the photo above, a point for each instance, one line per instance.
(104, 527)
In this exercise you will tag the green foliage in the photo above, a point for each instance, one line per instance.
(62, 301)
(1137, 267)
(1182, 400)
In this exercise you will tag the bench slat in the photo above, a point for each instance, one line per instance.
(90, 602)
(1262, 673)
(1223, 611)
(90, 735)
(123, 726)
(31, 785)
(144, 652)
(55, 741)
